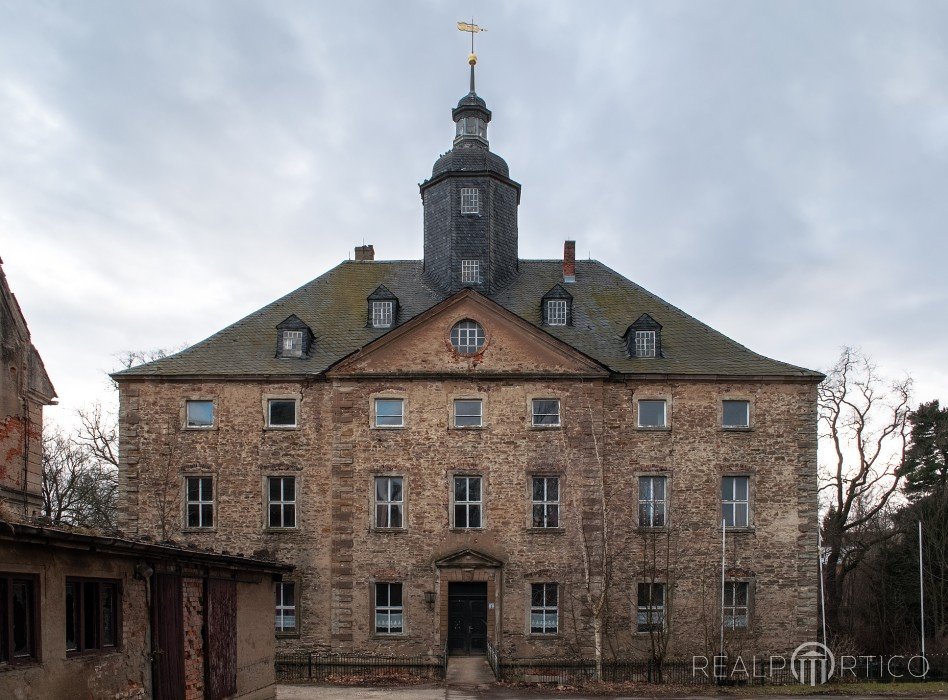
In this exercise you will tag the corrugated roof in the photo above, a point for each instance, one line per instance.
(334, 306)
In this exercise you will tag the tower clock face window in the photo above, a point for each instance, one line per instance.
(470, 201)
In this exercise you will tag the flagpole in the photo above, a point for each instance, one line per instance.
(921, 595)
(819, 554)
(723, 551)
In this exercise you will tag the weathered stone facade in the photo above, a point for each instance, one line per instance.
(24, 389)
(336, 453)
(550, 330)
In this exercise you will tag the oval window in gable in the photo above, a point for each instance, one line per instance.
(467, 337)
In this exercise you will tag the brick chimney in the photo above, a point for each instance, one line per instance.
(569, 261)
(365, 252)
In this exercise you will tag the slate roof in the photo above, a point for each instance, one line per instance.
(334, 306)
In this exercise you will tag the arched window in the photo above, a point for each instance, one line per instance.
(467, 337)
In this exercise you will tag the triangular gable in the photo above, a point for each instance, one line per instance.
(513, 346)
(467, 558)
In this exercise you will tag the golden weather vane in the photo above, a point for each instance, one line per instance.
(473, 29)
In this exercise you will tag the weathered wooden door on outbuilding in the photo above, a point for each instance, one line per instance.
(221, 625)
(167, 642)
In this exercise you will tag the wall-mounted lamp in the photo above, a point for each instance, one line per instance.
(429, 598)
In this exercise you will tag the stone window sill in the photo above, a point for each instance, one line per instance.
(749, 530)
(390, 530)
(198, 428)
(547, 530)
(651, 529)
(387, 427)
(467, 529)
(288, 635)
(398, 636)
(544, 636)
(281, 427)
(197, 530)
(653, 429)
(736, 429)
(546, 427)
(281, 530)
(94, 653)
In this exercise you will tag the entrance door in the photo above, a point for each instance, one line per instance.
(167, 638)
(467, 622)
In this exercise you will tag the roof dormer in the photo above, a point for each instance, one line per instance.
(644, 338)
(294, 338)
(556, 307)
(382, 308)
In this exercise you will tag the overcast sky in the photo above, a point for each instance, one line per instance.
(778, 170)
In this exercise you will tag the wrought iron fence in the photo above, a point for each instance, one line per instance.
(700, 672)
(309, 667)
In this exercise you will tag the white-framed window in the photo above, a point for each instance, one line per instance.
(199, 503)
(389, 413)
(285, 606)
(281, 501)
(545, 413)
(467, 337)
(645, 343)
(468, 413)
(546, 501)
(199, 413)
(735, 413)
(382, 313)
(652, 413)
(471, 271)
(735, 501)
(470, 200)
(650, 607)
(281, 413)
(735, 604)
(556, 312)
(544, 608)
(292, 343)
(389, 611)
(389, 501)
(468, 502)
(653, 501)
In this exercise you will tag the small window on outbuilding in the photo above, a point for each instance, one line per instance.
(644, 338)
(294, 338)
(382, 309)
(556, 307)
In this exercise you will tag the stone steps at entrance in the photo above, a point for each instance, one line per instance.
(469, 671)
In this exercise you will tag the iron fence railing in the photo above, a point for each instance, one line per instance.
(493, 658)
(306, 667)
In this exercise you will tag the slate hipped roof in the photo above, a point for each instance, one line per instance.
(604, 305)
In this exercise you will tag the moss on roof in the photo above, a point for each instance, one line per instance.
(334, 306)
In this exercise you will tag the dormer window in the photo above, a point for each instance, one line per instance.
(294, 338)
(382, 314)
(557, 307)
(383, 308)
(645, 343)
(470, 271)
(470, 203)
(292, 343)
(556, 312)
(644, 338)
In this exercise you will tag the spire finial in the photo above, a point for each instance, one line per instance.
(472, 58)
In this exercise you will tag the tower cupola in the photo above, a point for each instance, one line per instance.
(470, 206)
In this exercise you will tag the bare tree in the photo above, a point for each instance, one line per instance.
(78, 488)
(865, 420)
(659, 549)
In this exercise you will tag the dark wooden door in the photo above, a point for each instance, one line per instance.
(167, 638)
(467, 618)
(221, 624)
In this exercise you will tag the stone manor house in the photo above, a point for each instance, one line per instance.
(452, 451)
